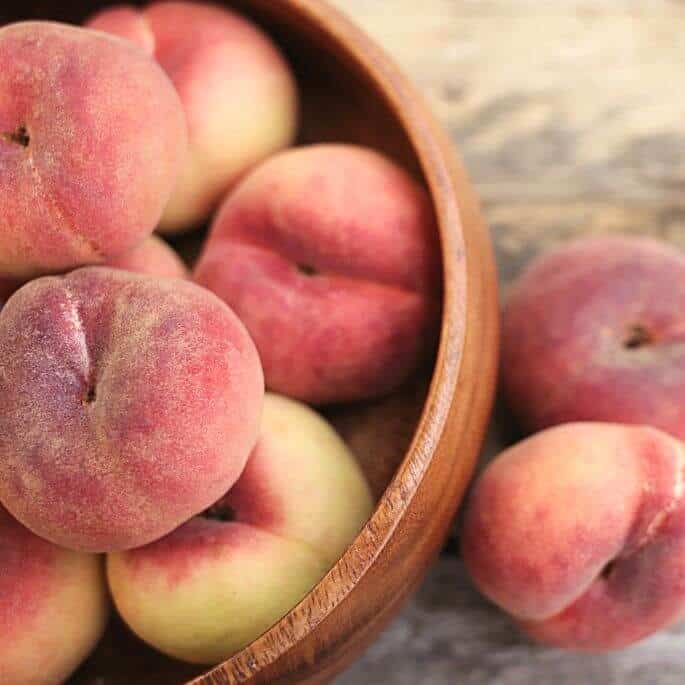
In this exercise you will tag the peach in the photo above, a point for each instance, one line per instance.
(594, 331)
(92, 137)
(128, 404)
(238, 94)
(219, 581)
(329, 255)
(153, 257)
(579, 533)
(53, 607)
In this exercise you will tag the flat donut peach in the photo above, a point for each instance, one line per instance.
(128, 404)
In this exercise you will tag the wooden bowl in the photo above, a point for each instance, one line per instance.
(353, 92)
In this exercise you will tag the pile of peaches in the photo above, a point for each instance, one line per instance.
(579, 531)
(143, 463)
(140, 457)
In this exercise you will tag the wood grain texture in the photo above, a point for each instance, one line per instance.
(570, 117)
(448, 635)
(347, 610)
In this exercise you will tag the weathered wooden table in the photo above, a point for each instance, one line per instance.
(570, 116)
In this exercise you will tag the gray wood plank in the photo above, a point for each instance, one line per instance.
(449, 635)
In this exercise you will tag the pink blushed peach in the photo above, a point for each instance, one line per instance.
(153, 257)
(237, 90)
(595, 331)
(53, 607)
(129, 404)
(92, 137)
(329, 255)
(579, 534)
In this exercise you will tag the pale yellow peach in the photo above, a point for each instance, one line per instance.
(236, 88)
(221, 580)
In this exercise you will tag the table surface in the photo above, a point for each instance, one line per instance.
(570, 117)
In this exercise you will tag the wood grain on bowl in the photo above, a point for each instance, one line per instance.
(351, 92)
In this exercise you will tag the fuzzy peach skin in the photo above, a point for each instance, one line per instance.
(128, 404)
(153, 257)
(219, 581)
(92, 138)
(579, 533)
(329, 255)
(237, 90)
(53, 607)
(594, 330)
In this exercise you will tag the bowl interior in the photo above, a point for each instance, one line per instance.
(341, 103)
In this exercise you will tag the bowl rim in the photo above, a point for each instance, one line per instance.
(440, 167)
